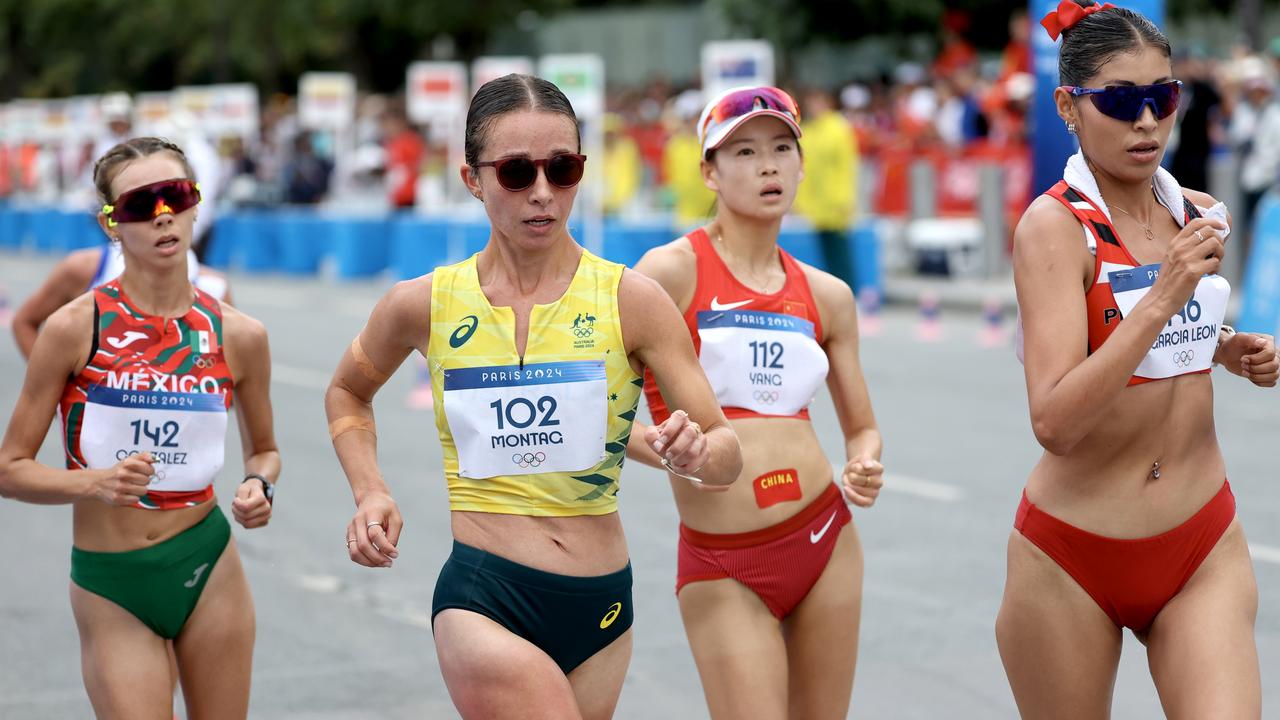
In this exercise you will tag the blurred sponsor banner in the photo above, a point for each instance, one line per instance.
(731, 63)
(55, 124)
(152, 112)
(1050, 143)
(24, 121)
(1260, 309)
(326, 100)
(220, 110)
(493, 67)
(436, 91)
(580, 77)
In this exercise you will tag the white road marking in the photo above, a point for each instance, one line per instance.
(299, 376)
(1265, 553)
(327, 584)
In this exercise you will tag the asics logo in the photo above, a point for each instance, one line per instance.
(464, 331)
(814, 537)
(610, 616)
(718, 306)
(129, 337)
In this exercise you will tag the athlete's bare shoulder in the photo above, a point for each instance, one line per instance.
(674, 266)
(70, 328)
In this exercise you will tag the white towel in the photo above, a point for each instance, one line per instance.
(1168, 193)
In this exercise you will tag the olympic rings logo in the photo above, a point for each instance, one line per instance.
(583, 331)
(767, 397)
(204, 361)
(529, 459)
(1183, 358)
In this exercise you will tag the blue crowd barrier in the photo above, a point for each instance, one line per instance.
(81, 230)
(226, 230)
(361, 246)
(297, 241)
(418, 245)
(256, 246)
(1260, 308)
(10, 227)
(303, 239)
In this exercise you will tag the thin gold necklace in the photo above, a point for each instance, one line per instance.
(1146, 227)
(755, 282)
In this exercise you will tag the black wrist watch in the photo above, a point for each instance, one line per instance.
(268, 488)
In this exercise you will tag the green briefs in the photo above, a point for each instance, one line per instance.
(160, 584)
(570, 618)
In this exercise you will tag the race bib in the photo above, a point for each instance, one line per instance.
(539, 418)
(1189, 339)
(769, 363)
(184, 432)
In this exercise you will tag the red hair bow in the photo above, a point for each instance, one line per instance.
(1067, 15)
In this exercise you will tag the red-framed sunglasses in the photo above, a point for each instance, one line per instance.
(518, 173)
(148, 202)
(1125, 102)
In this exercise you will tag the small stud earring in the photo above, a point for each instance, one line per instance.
(1071, 127)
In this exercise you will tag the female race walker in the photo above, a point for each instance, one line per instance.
(536, 350)
(769, 574)
(1127, 520)
(142, 371)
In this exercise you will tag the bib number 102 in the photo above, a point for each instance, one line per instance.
(168, 431)
(520, 413)
(766, 354)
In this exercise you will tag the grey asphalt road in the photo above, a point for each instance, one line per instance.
(339, 642)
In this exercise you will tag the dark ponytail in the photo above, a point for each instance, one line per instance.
(1100, 36)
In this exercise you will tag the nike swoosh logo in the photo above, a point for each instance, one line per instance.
(814, 537)
(716, 305)
(129, 337)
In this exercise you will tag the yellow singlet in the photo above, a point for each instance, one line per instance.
(545, 436)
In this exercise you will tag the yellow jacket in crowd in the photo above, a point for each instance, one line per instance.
(828, 193)
(622, 172)
(682, 166)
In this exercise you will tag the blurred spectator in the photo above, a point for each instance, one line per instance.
(828, 193)
(1200, 100)
(1255, 131)
(117, 113)
(682, 165)
(1016, 57)
(306, 174)
(405, 154)
(622, 170)
(956, 52)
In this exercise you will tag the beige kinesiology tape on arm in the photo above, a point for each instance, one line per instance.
(366, 365)
(347, 423)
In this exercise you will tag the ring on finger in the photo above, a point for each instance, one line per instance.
(372, 523)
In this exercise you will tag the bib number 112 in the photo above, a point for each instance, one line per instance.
(766, 354)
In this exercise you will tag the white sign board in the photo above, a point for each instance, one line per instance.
(580, 78)
(152, 112)
(326, 100)
(84, 118)
(732, 63)
(493, 67)
(233, 112)
(436, 91)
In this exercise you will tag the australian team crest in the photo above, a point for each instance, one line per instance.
(584, 328)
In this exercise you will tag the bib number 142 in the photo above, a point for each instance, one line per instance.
(161, 435)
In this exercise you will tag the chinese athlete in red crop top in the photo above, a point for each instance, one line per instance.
(765, 554)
